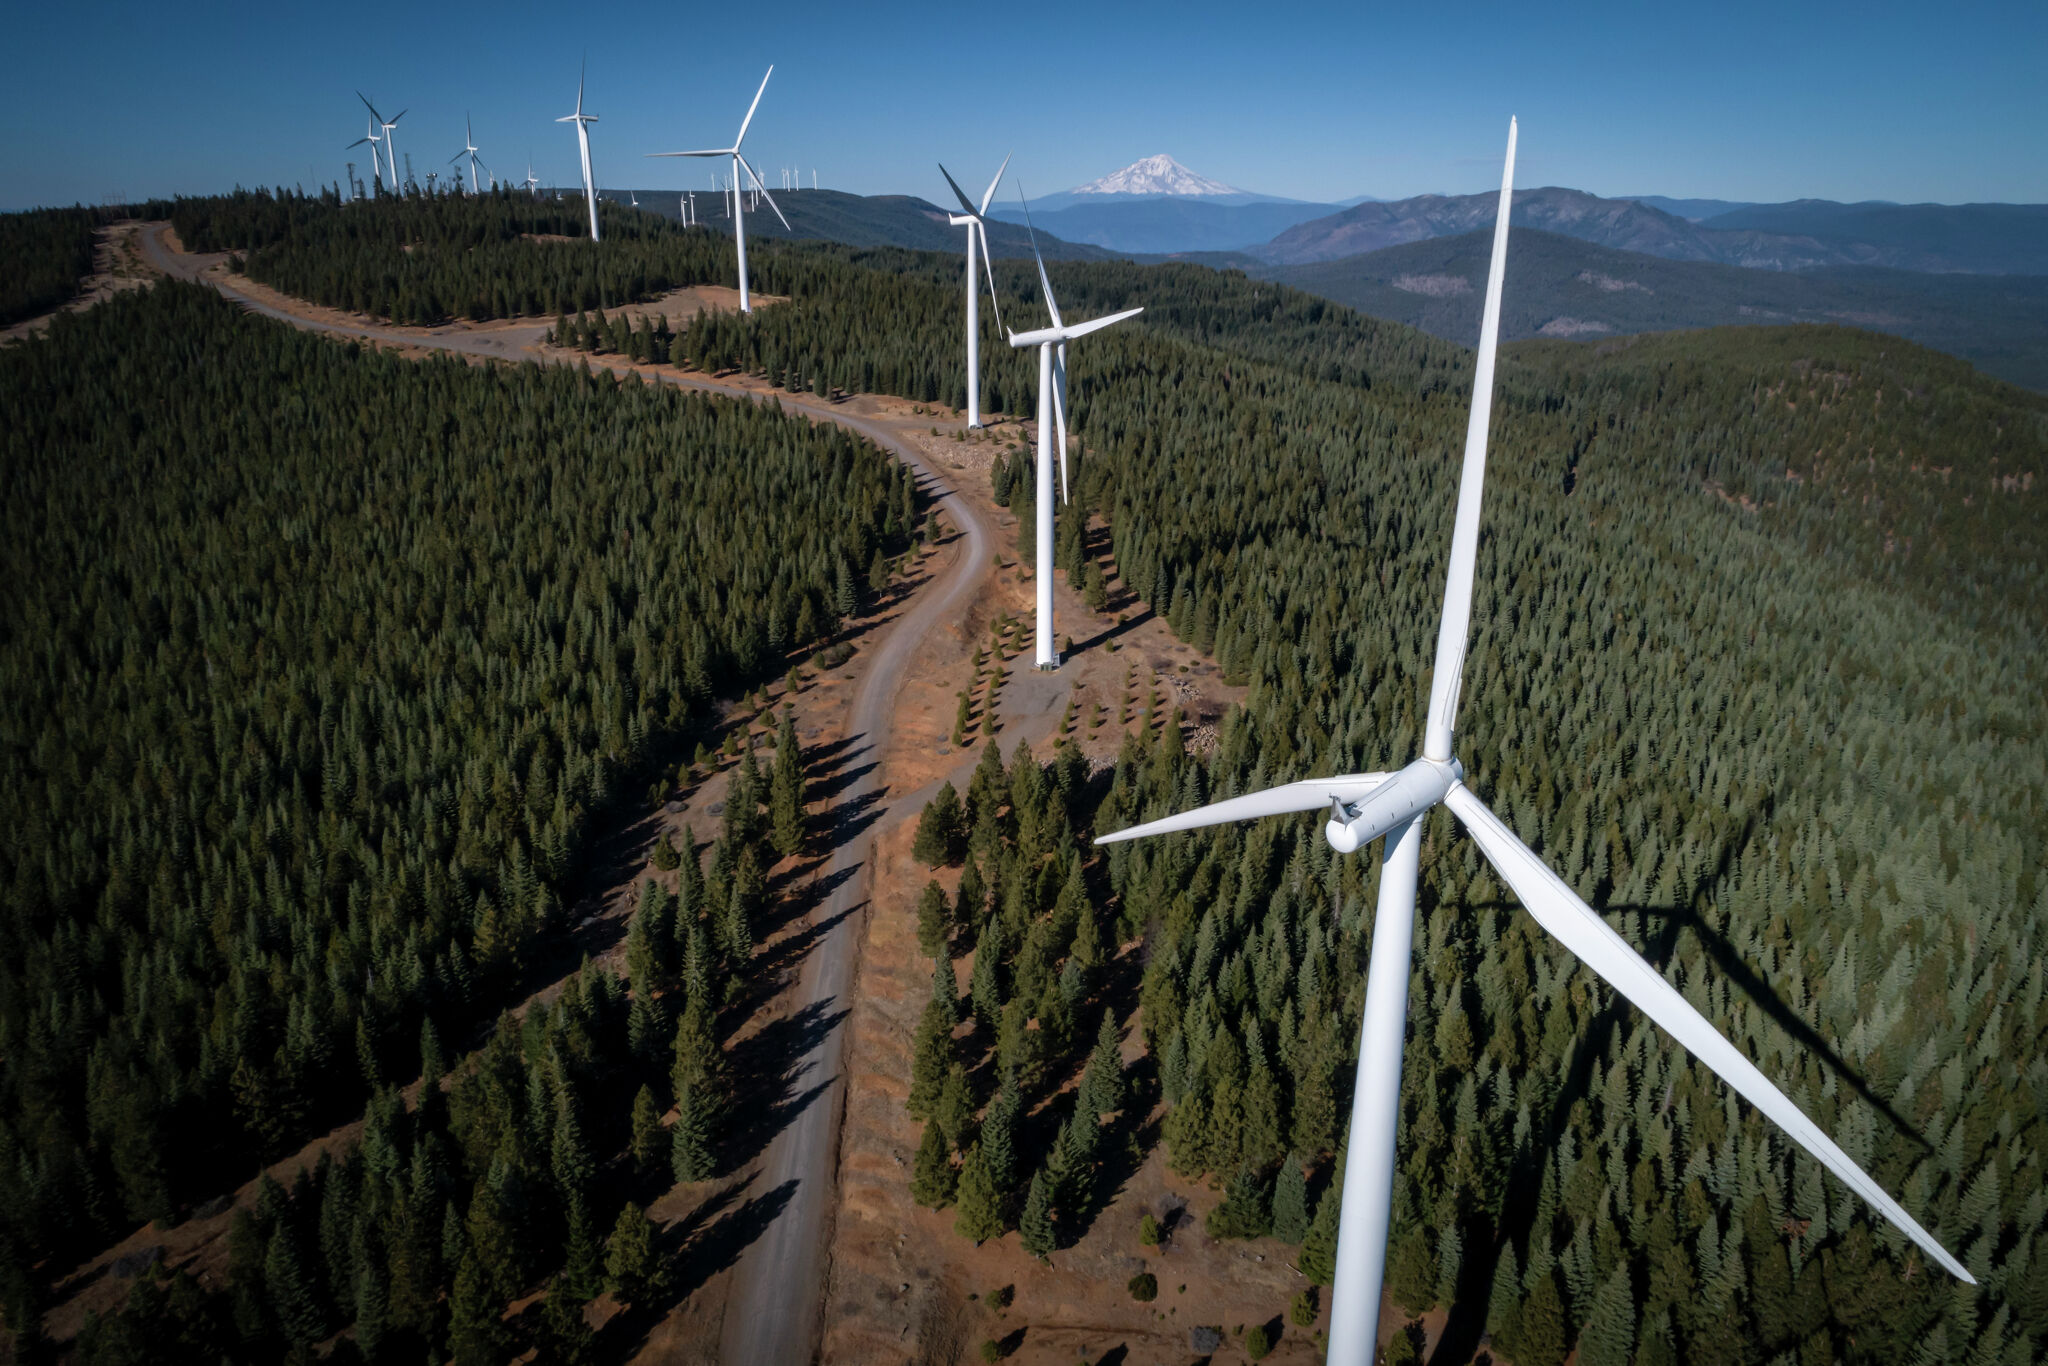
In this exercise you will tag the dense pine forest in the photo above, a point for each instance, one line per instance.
(321, 666)
(47, 251)
(1755, 666)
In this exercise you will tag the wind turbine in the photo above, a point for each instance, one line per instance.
(1052, 406)
(376, 164)
(1365, 806)
(390, 141)
(739, 224)
(583, 122)
(972, 219)
(531, 182)
(469, 150)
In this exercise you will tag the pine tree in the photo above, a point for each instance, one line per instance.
(954, 1113)
(1102, 1083)
(647, 1138)
(629, 1255)
(1539, 1330)
(1411, 1271)
(786, 791)
(1318, 1260)
(933, 920)
(999, 1137)
(565, 1336)
(981, 1206)
(1034, 1228)
(1290, 1202)
(690, 1157)
(1610, 1336)
(1245, 1211)
(939, 829)
(932, 1177)
(583, 1255)
(475, 1321)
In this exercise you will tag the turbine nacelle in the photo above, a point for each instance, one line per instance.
(1395, 802)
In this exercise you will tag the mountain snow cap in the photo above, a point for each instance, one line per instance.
(1155, 175)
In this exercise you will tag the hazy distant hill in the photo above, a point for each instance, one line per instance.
(2004, 238)
(1168, 223)
(1562, 287)
(1932, 237)
(883, 220)
(1693, 209)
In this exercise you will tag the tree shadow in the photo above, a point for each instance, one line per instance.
(766, 1070)
(1115, 629)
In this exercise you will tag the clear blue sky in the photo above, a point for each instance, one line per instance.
(1944, 102)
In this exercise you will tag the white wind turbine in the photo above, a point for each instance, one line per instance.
(469, 150)
(583, 122)
(739, 224)
(1052, 408)
(1365, 806)
(531, 182)
(376, 164)
(390, 140)
(976, 224)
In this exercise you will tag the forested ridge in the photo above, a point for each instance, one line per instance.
(1747, 668)
(47, 252)
(321, 664)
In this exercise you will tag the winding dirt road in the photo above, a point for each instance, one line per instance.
(774, 1302)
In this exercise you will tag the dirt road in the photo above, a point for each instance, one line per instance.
(777, 1291)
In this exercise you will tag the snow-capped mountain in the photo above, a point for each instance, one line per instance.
(1155, 175)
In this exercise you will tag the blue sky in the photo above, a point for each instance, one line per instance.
(1763, 102)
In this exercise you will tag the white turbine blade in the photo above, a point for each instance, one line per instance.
(1059, 411)
(1455, 626)
(1045, 281)
(988, 270)
(758, 185)
(997, 181)
(966, 204)
(750, 115)
(581, 72)
(1579, 928)
(712, 152)
(1311, 794)
(1096, 324)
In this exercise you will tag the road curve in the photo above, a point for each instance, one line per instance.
(776, 1298)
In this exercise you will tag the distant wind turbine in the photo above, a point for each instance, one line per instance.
(469, 150)
(583, 122)
(532, 182)
(1366, 806)
(974, 220)
(739, 161)
(390, 141)
(375, 141)
(1052, 407)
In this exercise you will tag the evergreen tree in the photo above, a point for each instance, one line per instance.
(933, 920)
(629, 1255)
(932, 1176)
(1411, 1270)
(475, 1323)
(940, 829)
(1245, 1211)
(1290, 1202)
(1318, 1260)
(1610, 1336)
(981, 1207)
(1034, 1228)
(1539, 1338)
(786, 791)
(647, 1139)
(690, 1157)
(1102, 1083)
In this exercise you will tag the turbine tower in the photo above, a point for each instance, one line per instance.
(976, 224)
(390, 141)
(469, 150)
(531, 182)
(739, 224)
(1052, 407)
(375, 141)
(1366, 806)
(583, 122)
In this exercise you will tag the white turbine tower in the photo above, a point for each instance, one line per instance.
(390, 139)
(469, 150)
(375, 141)
(976, 224)
(531, 182)
(1365, 806)
(1052, 408)
(583, 122)
(739, 161)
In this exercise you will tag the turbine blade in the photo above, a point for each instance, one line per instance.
(985, 199)
(989, 271)
(1059, 411)
(1310, 794)
(757, 181)
(458, 156)
(357, 143)
(966, 205)
(371, 107)
(712, 152)
(1045, 281)
(396, 117)
(750, 116)
(1096, 324)
(1454, 629)
(1579, 928)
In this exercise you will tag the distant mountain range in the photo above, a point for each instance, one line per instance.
(1561, 286)
(1804, 235)
(1155, 175)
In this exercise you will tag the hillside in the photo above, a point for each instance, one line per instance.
(1744, 238)
(1564, 287)
(1998, 238)
(1167, 223)
(883, 220)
